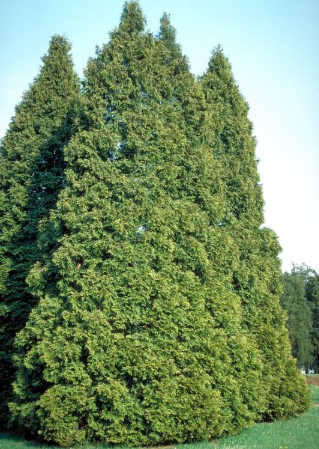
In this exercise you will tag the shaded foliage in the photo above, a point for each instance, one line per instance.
(32, 174)
(301, 301)
(312, 295)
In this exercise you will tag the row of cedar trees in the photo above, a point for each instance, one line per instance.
(140, 294)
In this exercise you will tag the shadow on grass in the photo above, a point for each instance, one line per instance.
(12, 441)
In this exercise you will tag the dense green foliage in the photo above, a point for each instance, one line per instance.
(295, 433)
(299, 317)
(301, 301)
(155, 313)
(312, 295)
(30, 179)
(254, 265)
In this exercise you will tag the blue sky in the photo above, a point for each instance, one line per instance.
(273, 47)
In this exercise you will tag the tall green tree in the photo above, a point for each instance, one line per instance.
(137, 338)
(31, 176)
(301, 300)
(299, 321)
(158, 316)
(312, 295)
(240, 385)
(256, 274)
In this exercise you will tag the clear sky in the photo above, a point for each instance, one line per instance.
(273, 47)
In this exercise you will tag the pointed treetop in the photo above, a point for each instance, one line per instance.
(167, 35)
(58, 56)
(132, 18)
(218, 62)
(167, 32)
(57, 43)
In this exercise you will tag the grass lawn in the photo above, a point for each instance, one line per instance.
(297, 433)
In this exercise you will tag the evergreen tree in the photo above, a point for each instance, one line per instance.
(312, 295)
(299, 321)
(31, 165)
(136, 338)
(301, 300)
(157, 314)
(256, 275)
(240, 385)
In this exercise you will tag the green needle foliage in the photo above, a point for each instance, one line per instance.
(233, 143)
(154, 286)
(31, 164)
(242, 390)
(137, 336)
(312, 295)
(255, 263)
(301, 301)
(299, 322)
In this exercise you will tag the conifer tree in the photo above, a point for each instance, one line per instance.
(312, 295)
(157, 314)
(255, 266)
(136, 338)
(299, 321)
(301, 300)
(31, 165)
(240, 385)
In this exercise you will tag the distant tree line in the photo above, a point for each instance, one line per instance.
(301, 301)
(140, 291)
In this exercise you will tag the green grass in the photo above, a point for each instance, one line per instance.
(297, 433)
(8, 441)
(314, 394)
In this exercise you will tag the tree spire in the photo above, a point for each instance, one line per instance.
(167, 36)
(167, 32)
(218, 58)
(132, 18)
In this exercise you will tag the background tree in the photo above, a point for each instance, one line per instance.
(32, 174)
(301, 300)
(299, 321)
(256, 274)
(312, 295)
